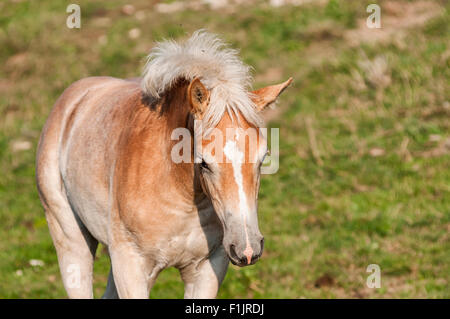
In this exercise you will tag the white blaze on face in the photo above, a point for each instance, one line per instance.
(236, 157)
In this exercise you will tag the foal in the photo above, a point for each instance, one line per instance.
(106, 171)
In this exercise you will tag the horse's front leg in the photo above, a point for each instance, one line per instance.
(133, 274)
(203, 280)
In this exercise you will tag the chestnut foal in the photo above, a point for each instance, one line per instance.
(105, 172)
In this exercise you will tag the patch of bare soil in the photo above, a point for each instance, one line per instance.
(396, 18)
(228, 5)
(325, 280)
(441, 149)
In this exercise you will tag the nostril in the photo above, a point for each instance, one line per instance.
(262, 246)
(233, 252)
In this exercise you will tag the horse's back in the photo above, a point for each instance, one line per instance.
(76, 150)
(47, 159)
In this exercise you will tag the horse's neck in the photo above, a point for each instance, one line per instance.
(175, 112)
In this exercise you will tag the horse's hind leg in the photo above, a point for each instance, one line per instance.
(75, 248)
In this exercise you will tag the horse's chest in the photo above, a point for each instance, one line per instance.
(187, 241)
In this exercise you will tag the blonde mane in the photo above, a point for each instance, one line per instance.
(219, 68)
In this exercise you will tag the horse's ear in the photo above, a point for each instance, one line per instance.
(268, 95)
(198, 96)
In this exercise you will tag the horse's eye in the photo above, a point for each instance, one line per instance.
(205, 165)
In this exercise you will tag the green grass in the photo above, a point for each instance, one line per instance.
(377, 193)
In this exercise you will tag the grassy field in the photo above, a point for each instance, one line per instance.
(364, 172)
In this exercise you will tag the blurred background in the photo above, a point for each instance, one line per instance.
(364, 172)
